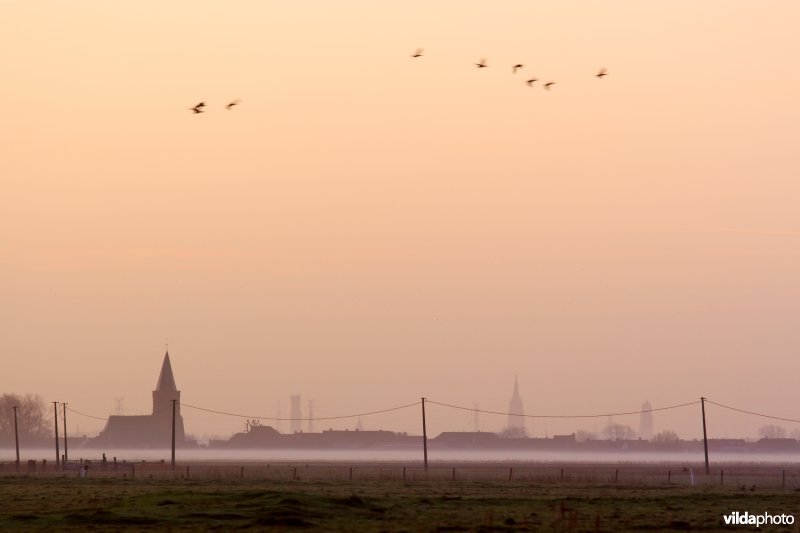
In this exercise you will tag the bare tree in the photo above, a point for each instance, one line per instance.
(619, 432)
(32, 417)
(513, 432)
(771, 431)
(666, 437)
(583, 435)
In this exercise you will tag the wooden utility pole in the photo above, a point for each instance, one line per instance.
(424, 436)
(705, 435)
(16, 434)
(66, 455)
(55, 419)
(173, 433)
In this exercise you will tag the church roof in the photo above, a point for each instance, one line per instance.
(166, 380)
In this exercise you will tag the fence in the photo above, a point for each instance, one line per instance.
(739, 476)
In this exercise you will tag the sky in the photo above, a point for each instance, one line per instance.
(366, 228)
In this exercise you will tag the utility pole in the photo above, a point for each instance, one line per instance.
(173, 434)
(16, 435)
(55, 419)
(66, 455)
(424, 436)
(705, 435)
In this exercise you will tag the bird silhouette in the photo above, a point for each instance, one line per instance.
(531, 81)
(602, 73)
(418, 53)
(548, 84)
(516, 67)
(232, 104)
(198, 108)
(481, 63)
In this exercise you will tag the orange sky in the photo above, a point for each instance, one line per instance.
(365, 229)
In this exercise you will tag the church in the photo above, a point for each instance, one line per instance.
(148, 431)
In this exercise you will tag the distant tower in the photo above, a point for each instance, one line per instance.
(165, 392)
(310, 416)
(296, 423)
(278, 421)
(120, 410)
(515, 407)
(646, 421)
(359, 425)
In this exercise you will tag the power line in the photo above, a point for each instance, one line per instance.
(84, 414)
(752, 413)
(562, 416)
(315, 418)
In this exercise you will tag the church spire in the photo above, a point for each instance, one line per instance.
(515, 409)
(166, 380)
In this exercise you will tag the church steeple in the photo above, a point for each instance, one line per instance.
(166, 391)
(515, 408)
(166, 380)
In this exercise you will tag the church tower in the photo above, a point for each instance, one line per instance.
(515, 407)
(646, 421)
(165, 392)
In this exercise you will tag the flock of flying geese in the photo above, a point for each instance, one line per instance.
(483, 64)
(200, 108)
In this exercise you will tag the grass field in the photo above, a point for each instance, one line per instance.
(64, 501)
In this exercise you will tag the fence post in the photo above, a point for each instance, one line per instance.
(721, 476)
(669, 477)
(454, 473)
(562, 474)
(404, 473)
(241, 472)
(294, 477)
(351, 473)
(616, 475)
(510, 472)
(187, 471)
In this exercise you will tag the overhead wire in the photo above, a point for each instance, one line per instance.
(451, 406)
(751, 412)
(474, 410)
(314, 418)
(70, 409)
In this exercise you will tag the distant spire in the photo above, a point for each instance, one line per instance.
(166, 380)
(515, 408)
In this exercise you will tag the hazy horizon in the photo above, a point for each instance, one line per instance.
(366, 228)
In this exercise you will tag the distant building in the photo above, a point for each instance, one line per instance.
(646, 421)
(148, 431)
(296, 415)
(515, 419)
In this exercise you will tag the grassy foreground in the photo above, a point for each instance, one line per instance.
(55, 503)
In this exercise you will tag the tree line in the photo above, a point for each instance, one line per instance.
(34, 422)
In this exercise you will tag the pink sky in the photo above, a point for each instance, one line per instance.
(367, 228)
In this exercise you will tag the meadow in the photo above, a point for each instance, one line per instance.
(376, 498)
